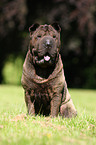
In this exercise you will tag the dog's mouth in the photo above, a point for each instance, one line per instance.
(47, 58)
(44, 60)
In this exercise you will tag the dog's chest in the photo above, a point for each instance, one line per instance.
(42, 93)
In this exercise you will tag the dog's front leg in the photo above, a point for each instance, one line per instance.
(29, 104)
(55, 104)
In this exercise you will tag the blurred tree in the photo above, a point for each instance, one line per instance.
(12, 23)
(77, 19)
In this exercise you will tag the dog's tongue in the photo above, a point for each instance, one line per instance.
(47, 58)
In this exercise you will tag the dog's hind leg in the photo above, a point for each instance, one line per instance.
(67, 108)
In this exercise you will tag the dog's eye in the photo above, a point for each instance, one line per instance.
(39, 36)
(54, 36)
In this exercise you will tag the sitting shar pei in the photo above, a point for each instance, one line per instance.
(43, 77)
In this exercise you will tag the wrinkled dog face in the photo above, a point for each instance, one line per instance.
(44, 44)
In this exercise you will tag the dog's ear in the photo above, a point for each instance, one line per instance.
(56, 26)
(33, 27)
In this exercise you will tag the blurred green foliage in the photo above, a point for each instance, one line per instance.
(90, 77)
(12, 70)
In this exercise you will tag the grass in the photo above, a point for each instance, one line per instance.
(18, 129)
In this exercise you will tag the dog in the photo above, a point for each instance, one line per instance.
(43, 77)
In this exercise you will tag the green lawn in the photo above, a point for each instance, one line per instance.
(18, 129)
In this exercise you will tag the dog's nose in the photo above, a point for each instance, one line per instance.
(48, 43)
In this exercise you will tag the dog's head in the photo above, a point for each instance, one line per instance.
(45, 44)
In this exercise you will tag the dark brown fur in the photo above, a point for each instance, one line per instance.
(43, 76)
